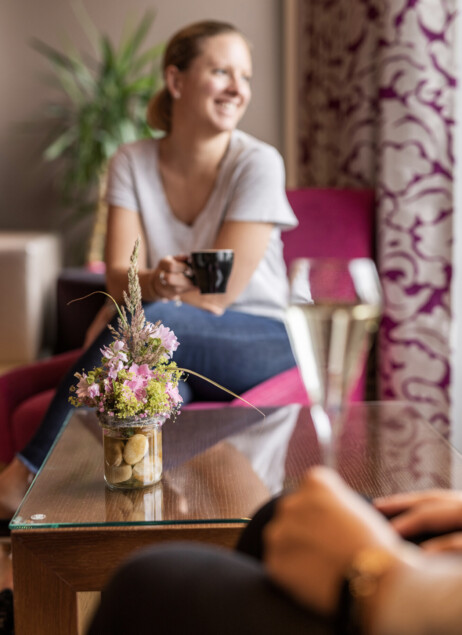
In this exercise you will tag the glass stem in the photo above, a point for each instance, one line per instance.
(325, 434)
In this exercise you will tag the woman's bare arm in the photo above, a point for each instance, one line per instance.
(167, 279)
(124, 227)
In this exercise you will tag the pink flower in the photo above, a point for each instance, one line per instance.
(148, 331)
(173, 393)
(93, 391)
(115, 351)
(167, 337)
(140, 376)
(144, 370)
(82, 387)
(85, 390)
(114, 366)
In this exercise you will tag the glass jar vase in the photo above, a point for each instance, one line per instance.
(132, 451)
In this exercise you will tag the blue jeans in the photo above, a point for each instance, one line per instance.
(236, 350)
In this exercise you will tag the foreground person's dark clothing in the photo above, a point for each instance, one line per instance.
(190, 588)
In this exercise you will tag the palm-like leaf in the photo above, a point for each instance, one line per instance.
(102, 104)
(133, 41)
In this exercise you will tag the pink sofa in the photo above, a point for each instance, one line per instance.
(336, 223)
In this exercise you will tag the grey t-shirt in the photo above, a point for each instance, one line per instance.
(250, 187)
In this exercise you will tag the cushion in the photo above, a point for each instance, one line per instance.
(333, 223)
(280, 390)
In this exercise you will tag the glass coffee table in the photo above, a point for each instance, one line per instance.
(220, 465)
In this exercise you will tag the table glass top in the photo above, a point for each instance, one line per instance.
(220, 465)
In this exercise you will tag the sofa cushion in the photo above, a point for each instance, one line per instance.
(286, 388)
(20, 384)
(333, 223)
(281, 390)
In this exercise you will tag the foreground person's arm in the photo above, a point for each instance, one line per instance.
(435, 511)
(324, 530)
(419, 599)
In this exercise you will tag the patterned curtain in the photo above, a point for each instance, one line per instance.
(376, 108)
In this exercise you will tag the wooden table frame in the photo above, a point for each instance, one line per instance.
(71, 562)
(59, 569)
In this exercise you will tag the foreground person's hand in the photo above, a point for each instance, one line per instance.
(316, 534)
(431, 511)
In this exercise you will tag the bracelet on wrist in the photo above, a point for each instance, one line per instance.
(154, 295)
(361, 581)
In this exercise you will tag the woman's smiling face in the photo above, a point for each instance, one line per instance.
(215, 88)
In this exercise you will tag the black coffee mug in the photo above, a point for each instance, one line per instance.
(211, 269)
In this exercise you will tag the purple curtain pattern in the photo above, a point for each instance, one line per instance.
(337, 79)
(376, 108)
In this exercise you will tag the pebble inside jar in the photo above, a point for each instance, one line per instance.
(132, 456)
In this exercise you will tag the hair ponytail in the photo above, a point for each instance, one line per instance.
(159, 114)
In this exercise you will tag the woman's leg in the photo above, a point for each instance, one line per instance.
(187, 588)
(14, 483)
(236, 350)
(38, 447)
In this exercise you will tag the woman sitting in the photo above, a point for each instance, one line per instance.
(203, 185)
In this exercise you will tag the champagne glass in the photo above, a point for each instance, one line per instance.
(334, 308)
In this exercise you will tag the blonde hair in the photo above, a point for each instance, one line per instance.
(181, 50)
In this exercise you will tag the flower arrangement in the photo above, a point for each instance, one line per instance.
(137, 377)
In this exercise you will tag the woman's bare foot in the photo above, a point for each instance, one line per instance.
(14, 483)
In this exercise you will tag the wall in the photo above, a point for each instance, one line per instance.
(27, 193)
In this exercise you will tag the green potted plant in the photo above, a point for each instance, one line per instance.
(102, 104)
